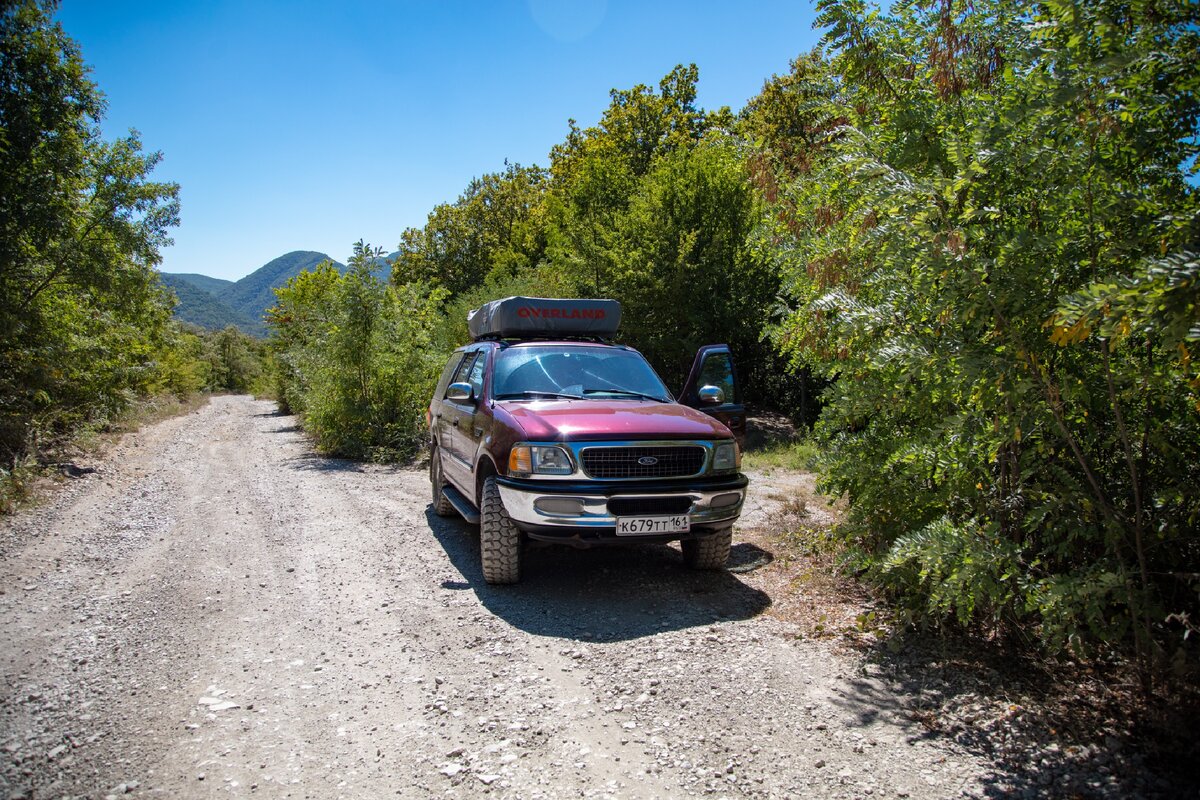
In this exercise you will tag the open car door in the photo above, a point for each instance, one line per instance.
(712, 387)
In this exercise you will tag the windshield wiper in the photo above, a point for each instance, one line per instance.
(625, 393)
(530, 393)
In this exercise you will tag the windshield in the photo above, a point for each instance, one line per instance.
(576, 372)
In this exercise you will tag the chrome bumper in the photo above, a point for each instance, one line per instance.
(522, 506)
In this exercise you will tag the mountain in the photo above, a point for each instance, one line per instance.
(201, 308)
(211, 285)
(254, 294)
(213, 303)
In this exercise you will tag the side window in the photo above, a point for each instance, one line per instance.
(464, 369)
(449, 370)
(475, 378)
(717, 370)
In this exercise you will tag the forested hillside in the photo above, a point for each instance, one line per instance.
(204, 309)
(213, 303)
(212, 286)
(256, 292)
(969, 228)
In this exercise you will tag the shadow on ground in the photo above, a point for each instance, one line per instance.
(313, 462)
(1048, 729)
(602, 594)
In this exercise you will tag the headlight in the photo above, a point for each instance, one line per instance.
(534, 459)
(726, 457)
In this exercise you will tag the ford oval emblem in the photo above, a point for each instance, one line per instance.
(647, 461)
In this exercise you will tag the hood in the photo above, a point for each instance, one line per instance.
(595, 420)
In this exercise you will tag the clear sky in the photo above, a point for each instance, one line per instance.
(309, 125)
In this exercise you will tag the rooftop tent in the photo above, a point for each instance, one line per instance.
(528, 316)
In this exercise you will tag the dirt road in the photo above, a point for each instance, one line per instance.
(220, 612)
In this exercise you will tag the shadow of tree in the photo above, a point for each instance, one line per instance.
(1046, 729)
(314, 462)
(606, 594)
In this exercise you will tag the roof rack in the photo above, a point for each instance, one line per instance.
(548, 336)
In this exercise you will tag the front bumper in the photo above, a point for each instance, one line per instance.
(595, 522)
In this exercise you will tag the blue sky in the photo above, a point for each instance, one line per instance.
(310, 125)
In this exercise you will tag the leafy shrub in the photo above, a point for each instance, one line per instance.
(357, 359)
(988, 243)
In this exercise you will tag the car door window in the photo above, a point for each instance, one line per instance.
(451, 367)
(717, 370)
(475, 377)
(464, 370)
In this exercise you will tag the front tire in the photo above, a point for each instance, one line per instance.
(709, 553)
(499, 538)
(441, 506)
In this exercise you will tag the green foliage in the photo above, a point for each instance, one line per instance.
(82, 315)
(653, 207)
(236, 362)
(596, 173)
(987, 239)
(357, 358)
(255, 293)
(495, 227)
(681, 264)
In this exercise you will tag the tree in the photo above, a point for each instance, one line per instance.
(992, 251)
(358, 358)
(81, 309)
(596, 172)
(682, 266)
(496, 225)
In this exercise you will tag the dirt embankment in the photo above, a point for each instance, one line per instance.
(220, 612)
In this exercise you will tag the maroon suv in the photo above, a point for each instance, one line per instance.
(542, 429)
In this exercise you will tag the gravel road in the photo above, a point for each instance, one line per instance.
(220, 612)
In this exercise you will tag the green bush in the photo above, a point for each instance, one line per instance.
(989, 246)
(358, 359)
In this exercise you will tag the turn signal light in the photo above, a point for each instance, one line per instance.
(520, 461)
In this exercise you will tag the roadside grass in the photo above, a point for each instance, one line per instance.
(801, 455)
(32, 475)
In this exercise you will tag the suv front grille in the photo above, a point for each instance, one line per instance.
(625, 462)
(631, 506)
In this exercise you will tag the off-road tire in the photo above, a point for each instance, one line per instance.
(441, 506)
(711, 552)
(499, 538)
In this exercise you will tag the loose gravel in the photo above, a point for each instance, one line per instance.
(219, 612)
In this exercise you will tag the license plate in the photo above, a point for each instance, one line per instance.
(643, 526)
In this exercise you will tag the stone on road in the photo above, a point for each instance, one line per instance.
(219, 611)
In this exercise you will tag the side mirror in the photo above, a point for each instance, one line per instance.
(459, 391)
(711, 395)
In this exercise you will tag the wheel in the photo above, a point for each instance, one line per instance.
(499, 538)
(711, 552)
(441, 506)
